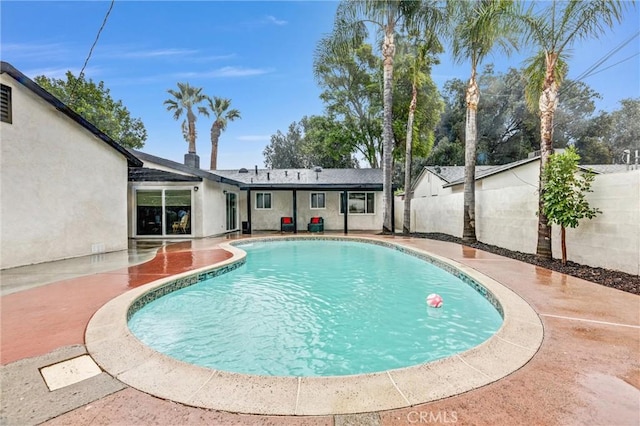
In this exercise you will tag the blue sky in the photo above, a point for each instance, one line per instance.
(258, 53)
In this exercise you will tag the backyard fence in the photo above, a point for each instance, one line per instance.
(506, 217)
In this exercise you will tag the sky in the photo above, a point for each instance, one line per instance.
(257, 53)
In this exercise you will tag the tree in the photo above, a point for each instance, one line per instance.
(94, 103)
(220, 109)
(313, 141)
(285, 150)
(418, 67)
(554, 30)
(184, 100)
(480, 26)
(388, 16)
(564, 200)
(349, 77)
(325, 143)
(626, 127)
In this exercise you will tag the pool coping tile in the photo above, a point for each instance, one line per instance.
(122, 355)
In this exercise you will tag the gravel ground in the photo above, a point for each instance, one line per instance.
(615, 279)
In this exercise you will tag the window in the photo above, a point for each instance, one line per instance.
(263, 200)
(5, 103)
(359, 203)
(317, 200)
(163, 212)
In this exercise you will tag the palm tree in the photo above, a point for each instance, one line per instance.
(421, 60)
(186, 98)
(481, 25)
(554, 30)
(220, 109)
(389, 17)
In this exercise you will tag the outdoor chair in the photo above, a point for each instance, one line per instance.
(316, 224)
(183, 225)
(286, 224)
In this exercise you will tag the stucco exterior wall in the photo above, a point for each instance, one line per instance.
(282, 205)
(442, 213)
(63, 192)
(214, 215)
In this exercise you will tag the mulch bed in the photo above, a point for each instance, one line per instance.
(614, 279)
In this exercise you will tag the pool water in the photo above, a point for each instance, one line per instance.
(318, 308)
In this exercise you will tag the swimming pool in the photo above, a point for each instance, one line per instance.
(318, 308)
(111, 344)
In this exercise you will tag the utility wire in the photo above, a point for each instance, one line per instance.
(81, 76)
(593, 69)
(613, 65)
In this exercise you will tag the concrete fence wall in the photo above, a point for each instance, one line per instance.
(506, 217)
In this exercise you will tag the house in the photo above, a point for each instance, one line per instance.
(249, 200)
(68, 190)
(63, 183)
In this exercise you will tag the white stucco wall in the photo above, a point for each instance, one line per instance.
(63, 192)
(282, 205)
(612, 239)
(506, 206)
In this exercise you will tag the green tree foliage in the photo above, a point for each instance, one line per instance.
(313, 141)
(508, 130)
(481, 26)
(350, 79)
(94, 103)
(182, 102)
(564, 201)
(388, 18)
(429, 103)
(553, 30)
(626, 126)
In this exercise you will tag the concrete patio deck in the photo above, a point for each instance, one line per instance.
(587, 370)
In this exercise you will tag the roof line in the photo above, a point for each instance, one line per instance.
(7, 68)
(495, 170)
(184, 168)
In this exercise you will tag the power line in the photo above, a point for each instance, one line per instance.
(613, 65)
(593, 69)
(81, 75)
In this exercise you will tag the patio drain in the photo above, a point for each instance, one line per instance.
(68, 372)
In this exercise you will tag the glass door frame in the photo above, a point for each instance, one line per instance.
(163, 190)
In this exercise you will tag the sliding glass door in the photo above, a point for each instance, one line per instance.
(163, 212)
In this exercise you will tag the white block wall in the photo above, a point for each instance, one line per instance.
(506, 217)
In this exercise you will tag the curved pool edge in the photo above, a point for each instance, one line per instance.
(118, 352)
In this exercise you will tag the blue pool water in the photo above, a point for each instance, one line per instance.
(318, 308)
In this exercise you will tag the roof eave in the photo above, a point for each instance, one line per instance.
(7, 68)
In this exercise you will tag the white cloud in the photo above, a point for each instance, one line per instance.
(254, 138)
(60, 72)
(273, 20)
(215, 58)
(12, 51)
(156, 53)
(116, 52)
(226, 72)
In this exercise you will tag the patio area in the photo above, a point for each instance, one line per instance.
(587, 370)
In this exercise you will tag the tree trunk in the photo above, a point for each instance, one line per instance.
(215, 137)
(388, 51)
(408, 194)
(564, 245)
(470, 142)
(547, 104)
(191, 123)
